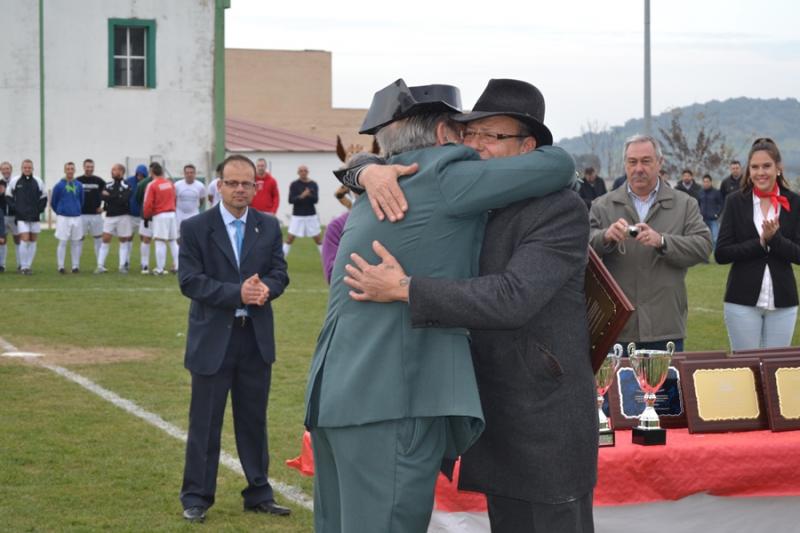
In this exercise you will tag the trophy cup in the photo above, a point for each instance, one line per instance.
(603, 380)
(650, 368)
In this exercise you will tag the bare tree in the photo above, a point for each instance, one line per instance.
(705, 151)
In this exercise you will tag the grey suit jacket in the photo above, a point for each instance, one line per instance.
(527, 315)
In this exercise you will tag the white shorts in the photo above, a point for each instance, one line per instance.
(165, 226)
(11, 225)
(135, 221)
(180, 217)
(28, 227)
(304, 226)
(145, 231)
(119, 226)
(69, 228)
(92, 225)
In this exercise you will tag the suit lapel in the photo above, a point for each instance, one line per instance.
(252, 232)
(220, 237)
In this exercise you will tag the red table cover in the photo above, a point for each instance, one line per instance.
(753, 463)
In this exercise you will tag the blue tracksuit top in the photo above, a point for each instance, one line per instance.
(136, 209)
(67, 203)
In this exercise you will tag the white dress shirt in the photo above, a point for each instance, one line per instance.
(766, 298)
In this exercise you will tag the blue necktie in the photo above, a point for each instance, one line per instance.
(239, 226)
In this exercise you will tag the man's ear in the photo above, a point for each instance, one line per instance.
(528, 145)
(445, 134)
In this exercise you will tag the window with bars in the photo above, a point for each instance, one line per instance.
(131, 61)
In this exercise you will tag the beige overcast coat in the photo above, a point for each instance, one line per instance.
(653, 280)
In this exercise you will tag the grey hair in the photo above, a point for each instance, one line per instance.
(412, 133)
(640, 138)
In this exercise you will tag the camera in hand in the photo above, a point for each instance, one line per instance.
(633, 231)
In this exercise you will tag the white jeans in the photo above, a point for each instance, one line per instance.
(752, 327)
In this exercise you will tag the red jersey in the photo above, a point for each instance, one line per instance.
(159, 197)
(267, 197)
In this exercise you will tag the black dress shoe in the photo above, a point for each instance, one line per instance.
(194, 514)
(269, 508)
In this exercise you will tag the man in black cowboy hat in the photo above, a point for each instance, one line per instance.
(385, 402)
(537, 458)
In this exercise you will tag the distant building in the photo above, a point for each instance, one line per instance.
(123, 81)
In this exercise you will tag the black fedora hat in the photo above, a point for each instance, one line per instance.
(397, 101)
(513, 98)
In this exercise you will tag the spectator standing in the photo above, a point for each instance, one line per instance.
(146, 224)
(688, 185)
(67, 203)
(650, 267)
(190, 196)
(711, 207)
(134, 206)
(116, 197)
(213, 188)
(733, 181)
(267, 196)
(592, 187)
(760, 236)
(91, 216)
(29, 200)
(303, 195)
(159, 206)
(8, 218)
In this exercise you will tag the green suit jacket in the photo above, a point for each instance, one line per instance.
(369, 364)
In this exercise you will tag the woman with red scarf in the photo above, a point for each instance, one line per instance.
(760, 235)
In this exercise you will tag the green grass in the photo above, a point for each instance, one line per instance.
(69, 461)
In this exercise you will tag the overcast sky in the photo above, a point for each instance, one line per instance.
(585, 56)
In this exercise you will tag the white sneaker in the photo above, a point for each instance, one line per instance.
(100, 270)
(145, 270)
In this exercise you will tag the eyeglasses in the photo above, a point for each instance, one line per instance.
(233, 184)
(488, 137)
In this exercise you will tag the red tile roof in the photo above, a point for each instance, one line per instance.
(245, 136)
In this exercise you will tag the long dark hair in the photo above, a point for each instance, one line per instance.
(763, 144)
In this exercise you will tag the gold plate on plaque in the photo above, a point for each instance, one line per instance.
(787, 381)
(726, 394)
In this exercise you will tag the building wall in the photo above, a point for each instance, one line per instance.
(289, 89)
(283, 166)
(86, 118)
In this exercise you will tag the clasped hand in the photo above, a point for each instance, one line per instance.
(384, 282)
(254, 291)
(385, 195)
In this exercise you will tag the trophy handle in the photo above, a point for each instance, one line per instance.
(617, 350)
(671, 348)
(631, 348)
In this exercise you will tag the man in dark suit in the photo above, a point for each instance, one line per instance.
(231, 266)
(537, 457)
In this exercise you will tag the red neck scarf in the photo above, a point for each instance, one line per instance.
(774, 197)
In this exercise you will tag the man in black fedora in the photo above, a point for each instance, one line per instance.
(537, 458)
(387, 402)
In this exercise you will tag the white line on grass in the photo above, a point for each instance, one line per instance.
(292, 493)
(706, 310)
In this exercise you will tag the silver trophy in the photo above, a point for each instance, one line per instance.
(651, 368)
(603, 380)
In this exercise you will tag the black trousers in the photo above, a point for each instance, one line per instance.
(507, 515)
(245, 374)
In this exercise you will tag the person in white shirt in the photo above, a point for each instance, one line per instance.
(190, 195)
(213, 188)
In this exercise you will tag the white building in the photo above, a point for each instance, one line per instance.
(118, 81)
(284, 151)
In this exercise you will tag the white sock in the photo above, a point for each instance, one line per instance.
(286, 248)
(124, 253)
(173, 249)
(25, 258)
(101, 257)
(319, 248)
(75, 251)
(144, 252)
(98, 242)
(17, 254)
(31, 253)
(161, 255)
(61, 253)
(3, 252)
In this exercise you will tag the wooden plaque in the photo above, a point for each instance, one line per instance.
(781, 379)
(607, 309)
(723, 395)
(767, 353)
(626, 399)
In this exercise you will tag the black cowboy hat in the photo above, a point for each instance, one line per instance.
(516, 99)
(397, 101)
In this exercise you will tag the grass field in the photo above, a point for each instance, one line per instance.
(70, 461)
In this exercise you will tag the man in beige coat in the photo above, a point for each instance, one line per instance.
(648, 236)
